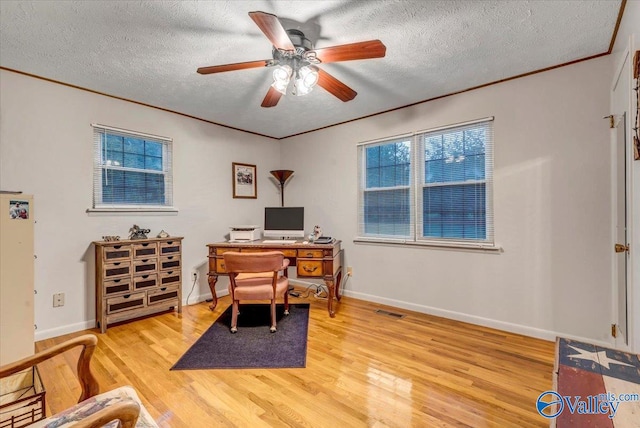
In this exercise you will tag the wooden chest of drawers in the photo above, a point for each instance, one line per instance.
(135, 278)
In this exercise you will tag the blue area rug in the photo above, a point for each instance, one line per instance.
(253, 346)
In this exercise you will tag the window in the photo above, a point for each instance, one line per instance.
(131, 170)
(429, 187)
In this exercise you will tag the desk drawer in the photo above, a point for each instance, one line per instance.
(287, 253)
(170, 262)
(126, 302)
(145, 250)
(221, 251)
(310, 267)
(310, 254)
(170, 277)
(116, 269)
(220, 267)
(145, 266)
(162, 295)
(142, 282)
(116, 252)
(115, 286)
(169, 247)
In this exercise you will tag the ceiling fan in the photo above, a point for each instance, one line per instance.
(294, 57)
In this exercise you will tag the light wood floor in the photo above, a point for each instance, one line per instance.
(363, 370)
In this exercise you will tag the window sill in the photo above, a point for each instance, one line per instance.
(123, 210)
(443, 246)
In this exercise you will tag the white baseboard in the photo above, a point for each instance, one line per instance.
(472, 319)
(88, 325)
(65, 329)
(199, 298)
(458, 316)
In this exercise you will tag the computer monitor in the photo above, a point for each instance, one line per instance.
(284, 222)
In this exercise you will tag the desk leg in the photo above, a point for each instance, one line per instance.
(333, 284)
(213, 278)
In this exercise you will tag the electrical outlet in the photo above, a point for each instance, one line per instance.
(349, 270)
(58, 300)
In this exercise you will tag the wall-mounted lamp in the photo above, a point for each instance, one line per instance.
(282, 175)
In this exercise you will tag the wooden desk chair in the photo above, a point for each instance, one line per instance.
(119, 407)
(254, 276)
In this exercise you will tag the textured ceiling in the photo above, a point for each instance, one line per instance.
(148, 51)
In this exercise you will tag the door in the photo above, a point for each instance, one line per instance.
(620, 101)
(621, 246)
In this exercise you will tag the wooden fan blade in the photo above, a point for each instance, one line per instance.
(273, 29)
(352, 51)
(272, 97)
(231, 67)
(335, 87)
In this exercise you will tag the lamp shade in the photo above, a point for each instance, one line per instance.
(282, 175)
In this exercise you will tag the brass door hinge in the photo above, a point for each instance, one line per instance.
(621, 248)
(614, 330)
(612, 122)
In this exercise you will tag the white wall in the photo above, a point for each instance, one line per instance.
(551, 197)
(46, 150)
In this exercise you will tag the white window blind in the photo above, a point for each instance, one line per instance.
(430, 187)
(385, 188)
(132, 170)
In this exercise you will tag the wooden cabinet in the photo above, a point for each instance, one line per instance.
(16, 277)
(138, 277)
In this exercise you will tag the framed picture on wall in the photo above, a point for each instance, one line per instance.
(19, 210)
(244, 181)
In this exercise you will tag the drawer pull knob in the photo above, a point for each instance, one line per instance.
(170, 257)
(117, 280)
(145, 260)
(126, 296)
(309, 270)
(170, 272)
(309, 254)
(117, 247)
(145, 276)
(117, 264)
(145, 245)
(163, 289)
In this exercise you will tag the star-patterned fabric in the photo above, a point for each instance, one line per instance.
(585, 370)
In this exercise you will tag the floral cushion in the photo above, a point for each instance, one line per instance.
(91, 405)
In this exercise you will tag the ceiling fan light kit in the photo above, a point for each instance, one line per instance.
(281, 78)
(306, 79)
(294, 56)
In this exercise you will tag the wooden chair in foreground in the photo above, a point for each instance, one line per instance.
(254, 276)
(119, 407)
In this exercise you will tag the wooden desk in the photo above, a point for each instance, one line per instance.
(312, 261)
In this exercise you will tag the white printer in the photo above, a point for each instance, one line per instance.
(244, 233)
